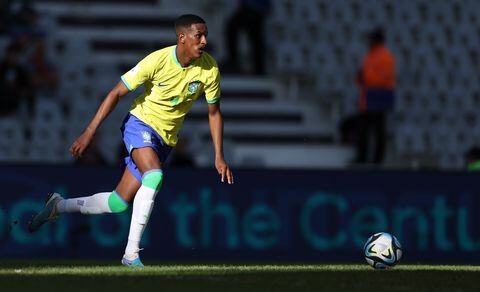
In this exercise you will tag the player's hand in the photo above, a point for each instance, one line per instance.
(80, 145)
(223, 170)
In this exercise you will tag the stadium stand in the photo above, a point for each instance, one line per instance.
(290, 118)
(437, 75)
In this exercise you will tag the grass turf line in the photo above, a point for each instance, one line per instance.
(213, 269)
(84, 277)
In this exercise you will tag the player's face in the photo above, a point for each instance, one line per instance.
(196, 39)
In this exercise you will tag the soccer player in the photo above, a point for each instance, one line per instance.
(174, 77)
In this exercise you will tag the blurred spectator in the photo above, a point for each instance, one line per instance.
(349, 130)
(472, 159)
(44, 75)
(14, 81)
(181, 156)
(5, 15)
(23, 18)
(249, 17)
(92, 156)
(376, 81)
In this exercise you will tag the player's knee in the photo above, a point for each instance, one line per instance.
(116, 203)
(153, 179)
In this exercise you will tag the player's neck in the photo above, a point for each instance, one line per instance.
(182, 57)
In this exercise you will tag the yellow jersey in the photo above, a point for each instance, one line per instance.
(170, 89)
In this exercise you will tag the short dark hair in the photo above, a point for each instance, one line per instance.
(187, 20)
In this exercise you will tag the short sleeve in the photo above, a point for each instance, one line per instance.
(212, 89)
(142, 72)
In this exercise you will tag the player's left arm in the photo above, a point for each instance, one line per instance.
(216, 129)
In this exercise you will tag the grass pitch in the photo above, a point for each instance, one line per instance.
(84, 276)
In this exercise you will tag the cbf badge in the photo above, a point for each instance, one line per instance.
(193, 86)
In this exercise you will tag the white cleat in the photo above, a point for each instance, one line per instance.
(48, 212)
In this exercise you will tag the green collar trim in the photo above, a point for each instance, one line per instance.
(174, 54)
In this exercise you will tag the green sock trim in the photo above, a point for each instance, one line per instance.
(116, 203)
(153, 179)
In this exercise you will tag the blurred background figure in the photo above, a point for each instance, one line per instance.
(44, 74)
(249, 17)
(376, 81)
(5, 15)
(181, 156)
(93, 155)
(14, 81)
(17, 17)
(472, 159)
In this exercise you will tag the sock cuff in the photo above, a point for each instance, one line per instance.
(116, 203)
(152, 171)
(153, 179)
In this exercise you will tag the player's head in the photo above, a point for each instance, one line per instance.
(191, 32)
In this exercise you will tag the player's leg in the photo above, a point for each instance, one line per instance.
(106, 202)
(128, 186)
(149, 165)
(99, 203)
(147, 151)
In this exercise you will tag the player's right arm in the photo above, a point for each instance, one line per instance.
(107, 106)
(142, 72)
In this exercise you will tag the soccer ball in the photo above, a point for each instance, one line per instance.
(382, 251)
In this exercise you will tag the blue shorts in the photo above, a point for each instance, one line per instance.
(137, 134)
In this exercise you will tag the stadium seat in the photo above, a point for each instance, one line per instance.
(13, 139)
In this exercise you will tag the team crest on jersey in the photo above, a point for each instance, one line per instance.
(193, 86)
(147, 137)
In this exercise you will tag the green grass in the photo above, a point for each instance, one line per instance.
(85, 276)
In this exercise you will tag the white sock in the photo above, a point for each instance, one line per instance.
(95, 204)
(142, 208)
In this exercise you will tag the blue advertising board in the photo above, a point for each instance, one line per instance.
(269, 216)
